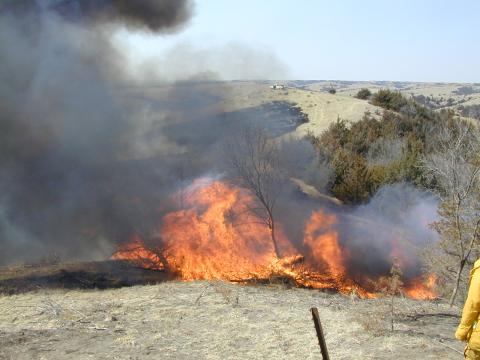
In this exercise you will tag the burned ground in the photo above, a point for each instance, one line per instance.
(76, 275)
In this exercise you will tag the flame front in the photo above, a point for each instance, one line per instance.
(215, 236)
(137, 252)
(420, 288)
(323, 243)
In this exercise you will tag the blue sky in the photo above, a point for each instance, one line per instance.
(408, 40)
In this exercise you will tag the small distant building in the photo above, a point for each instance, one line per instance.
(277, 86)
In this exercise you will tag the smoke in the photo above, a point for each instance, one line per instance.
(87, 160)
(66, 184)
(394, 224)
(233, 61)
(153, 15)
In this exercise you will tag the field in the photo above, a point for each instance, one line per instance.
(321, 107)
(217, 320)
(239, 100)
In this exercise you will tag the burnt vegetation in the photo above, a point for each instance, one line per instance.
(75, 275)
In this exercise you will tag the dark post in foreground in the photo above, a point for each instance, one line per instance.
(321, 338)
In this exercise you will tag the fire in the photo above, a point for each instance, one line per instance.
(214, 235)
(327, 257)
(420, 288)
(323, 243)
(137, 252)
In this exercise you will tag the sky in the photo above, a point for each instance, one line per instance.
(408, 40)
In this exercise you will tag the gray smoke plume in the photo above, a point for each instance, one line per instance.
(232, 61)
(86, 159)
(66, 185)
(393, 224)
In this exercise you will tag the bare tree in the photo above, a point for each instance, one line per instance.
(455, 168)
(395, 286)
(385, 151)
(254, 160)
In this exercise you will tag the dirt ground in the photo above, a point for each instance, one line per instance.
(215, 320)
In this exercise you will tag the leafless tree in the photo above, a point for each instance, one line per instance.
(395, 286)
(455, 168)
(255, 162)
(385, 151)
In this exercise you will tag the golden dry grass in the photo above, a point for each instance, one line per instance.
(214, 320)
(322, 108)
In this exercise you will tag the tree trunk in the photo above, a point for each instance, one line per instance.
(274, 240)
(457, 282)
(392, 312)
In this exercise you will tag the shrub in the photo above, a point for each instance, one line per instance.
(332, 91)
(372, 152)
(362, 134)
(352, 181)
(363, 94)
(390, 100)
(334, 137)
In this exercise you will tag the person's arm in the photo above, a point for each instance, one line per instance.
(471, 307)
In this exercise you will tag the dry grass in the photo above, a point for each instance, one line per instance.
(321, 108)
(215, 320)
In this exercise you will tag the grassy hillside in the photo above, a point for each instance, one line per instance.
(321, 107)
(205, 100)
(435, 95)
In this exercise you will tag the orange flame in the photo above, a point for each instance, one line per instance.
(420, 288)
(323, 243)
(137, 252)
(215, 236)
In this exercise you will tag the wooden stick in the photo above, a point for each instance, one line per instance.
(321, 337)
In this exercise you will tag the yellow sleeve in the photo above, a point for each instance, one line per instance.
(471, 307)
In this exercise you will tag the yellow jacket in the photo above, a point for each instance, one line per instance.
(468, 330)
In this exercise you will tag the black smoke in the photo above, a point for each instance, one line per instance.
(154, 15)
